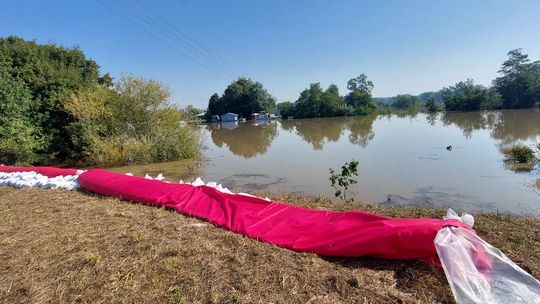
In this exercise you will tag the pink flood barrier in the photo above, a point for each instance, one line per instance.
(329, 233)
(47, 171)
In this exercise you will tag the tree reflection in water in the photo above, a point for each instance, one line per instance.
(508, 126)
(321, 131)
(316, 132)
(248, 140)
(244, 139)
(432, 118)
(361, 129)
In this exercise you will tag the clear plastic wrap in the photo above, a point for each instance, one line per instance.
(480, 273)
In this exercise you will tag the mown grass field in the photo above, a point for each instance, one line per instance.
(65, 247)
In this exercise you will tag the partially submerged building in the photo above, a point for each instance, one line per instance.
(228, 117)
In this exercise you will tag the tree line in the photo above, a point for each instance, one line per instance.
(316, 102)
(56, 107)
(518, 86)
(245, 97)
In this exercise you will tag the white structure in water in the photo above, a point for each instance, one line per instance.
(262, 116)
(228, 117)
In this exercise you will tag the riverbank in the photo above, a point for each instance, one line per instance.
(72, 246)
(187, 169)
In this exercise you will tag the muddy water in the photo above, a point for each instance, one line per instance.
(403, 158)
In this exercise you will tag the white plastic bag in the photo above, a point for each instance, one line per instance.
(480, 273)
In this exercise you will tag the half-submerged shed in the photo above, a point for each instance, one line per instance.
(227, 117)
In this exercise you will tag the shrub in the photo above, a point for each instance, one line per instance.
(342, 180)
(39, 78)
(520, 154)
(134, 122)
(20, 139)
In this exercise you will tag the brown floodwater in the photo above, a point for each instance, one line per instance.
(403, 159)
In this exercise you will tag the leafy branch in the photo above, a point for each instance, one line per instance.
(342, 180)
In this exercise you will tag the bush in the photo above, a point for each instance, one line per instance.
(521, 154)
(39, 79)
(132, 122)
(20, 139)
(341, 181)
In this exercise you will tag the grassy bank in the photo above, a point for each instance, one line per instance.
(59, 246)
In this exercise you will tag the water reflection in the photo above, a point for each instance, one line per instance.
(403, 158)
(316, 132)
(468, 122)
(509, 127)
(515, 126)
(249, 140)
(361, 130)
(319, 132)
(244, 139)
(432, 118)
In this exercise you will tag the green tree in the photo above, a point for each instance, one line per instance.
(20, 139)
(50, 74)
(106, 80)
(310, 101)
(406, 101)
(245, 97)
(215, 106)
(360, 99)
(332, 103)
(432, 105)
(467, 96)
(360, 83)
(519, 84)
(286, 109)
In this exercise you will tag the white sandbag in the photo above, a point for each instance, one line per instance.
(36, 180)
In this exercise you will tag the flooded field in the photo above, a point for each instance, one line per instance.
(403, 158)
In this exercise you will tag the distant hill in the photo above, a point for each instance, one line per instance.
(387, 101)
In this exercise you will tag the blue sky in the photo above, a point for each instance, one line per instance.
(403, 46)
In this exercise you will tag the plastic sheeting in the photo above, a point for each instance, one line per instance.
(480, 273)
(346, 234)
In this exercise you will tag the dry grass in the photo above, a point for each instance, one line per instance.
(59, 246)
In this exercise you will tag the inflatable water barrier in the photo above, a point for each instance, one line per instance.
(346, 234)
(476, 271)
